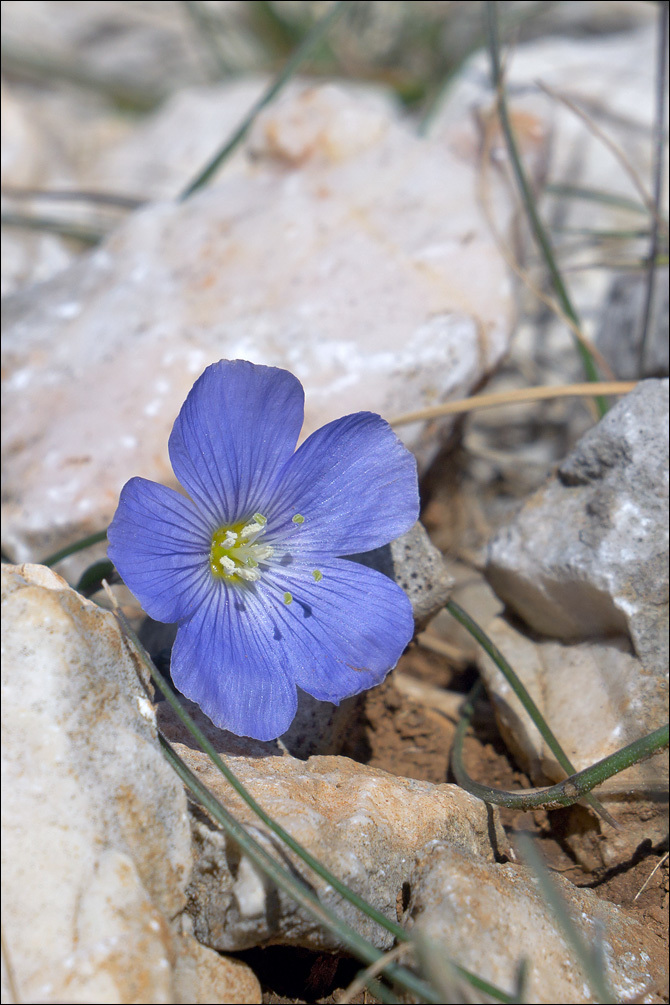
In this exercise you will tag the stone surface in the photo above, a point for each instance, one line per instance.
(587, 555)
(597, 697)
(142, 48)
(96, 843)
(203, 977)
(38, 141)
(167, 150)
(366, 826)
(381, 289)
(489, 916)
(611, 78)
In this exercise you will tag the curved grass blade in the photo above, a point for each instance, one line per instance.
(522, 694)
(570, 790)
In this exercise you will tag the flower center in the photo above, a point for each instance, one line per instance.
(235, 553)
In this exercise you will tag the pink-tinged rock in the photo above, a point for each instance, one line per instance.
(367, 826)
(349, 251)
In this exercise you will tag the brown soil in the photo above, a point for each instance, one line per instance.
(408, 738)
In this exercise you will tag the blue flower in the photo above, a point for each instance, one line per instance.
(249, 566)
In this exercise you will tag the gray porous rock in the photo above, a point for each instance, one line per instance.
(587, 555)
(415, 564)
(489, 916)
(585, 564)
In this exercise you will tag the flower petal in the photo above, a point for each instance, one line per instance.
(342, 633)
(238, 426)
(160, 545)
(354, 483)
(225, 660)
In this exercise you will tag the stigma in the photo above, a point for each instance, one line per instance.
(235, 554)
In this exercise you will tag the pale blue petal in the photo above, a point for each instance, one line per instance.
(237, 428)
(341, 634)
(355, 485)
(228, 662)
(160, 545)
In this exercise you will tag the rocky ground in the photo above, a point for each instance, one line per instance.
(389, 269)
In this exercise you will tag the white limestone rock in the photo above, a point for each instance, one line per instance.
(489, 916)
(204, 977)
(339, 253)
(611, 77)
(366, 826)
(96, 844)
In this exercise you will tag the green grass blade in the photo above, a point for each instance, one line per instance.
(570, 790)
(659, 150)
(308, 44)
(566, 191)
(528, 198)
(522, 694)
(204, 24)
(72, 549)
(291, 885)
(50, 225)
(295, 846)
